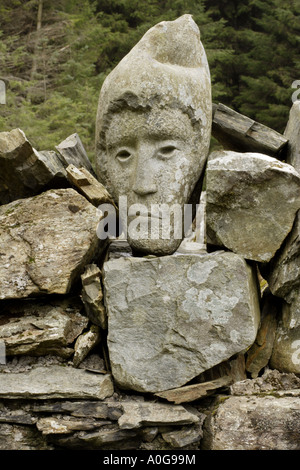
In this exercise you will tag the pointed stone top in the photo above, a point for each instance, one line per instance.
(174, 42)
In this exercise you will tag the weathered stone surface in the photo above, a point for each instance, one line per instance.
(109, 437)
(55, 382)
(138, 414)
(249, 197)
(284, 271)
(241, 134)
(41, 328)
(45, 243)
(118, 248)
(24, 171)
(67, 425)
(235, 368)
(92, 295)
(85, 343)
(286, 350)
(210, 312)
(72, 152)
(194, 392)
(254, 423)
(153, 126)
(104, 410)
(88, 186)
(270, 382)
(292, 133)
(260, 352)
(185, 436)
(17, 437)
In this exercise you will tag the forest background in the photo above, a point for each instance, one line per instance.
(55, 55)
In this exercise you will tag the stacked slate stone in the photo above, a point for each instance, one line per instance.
(153, 346)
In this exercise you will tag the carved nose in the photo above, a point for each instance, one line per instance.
(144, 179)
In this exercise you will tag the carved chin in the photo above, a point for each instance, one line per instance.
(155, 247)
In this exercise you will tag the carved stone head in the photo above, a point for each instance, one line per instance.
(154, 123)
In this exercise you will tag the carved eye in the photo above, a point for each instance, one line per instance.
(166, 151)
(123, 155)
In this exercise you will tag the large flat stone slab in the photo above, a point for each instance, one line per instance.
(252, 200)
(55, 382)
(46, 241)
(171, 318)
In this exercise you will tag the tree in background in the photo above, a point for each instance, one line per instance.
(54, 57)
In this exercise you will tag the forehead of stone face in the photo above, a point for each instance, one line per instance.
(158, 124)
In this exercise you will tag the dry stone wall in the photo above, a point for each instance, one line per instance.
(101, 348)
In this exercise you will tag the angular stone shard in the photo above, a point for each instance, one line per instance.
(286, 350)
(241, 134)
(194, 392)
(284, 271)
(45, 243)
(71, 151)
(292, 133)
(55, 382)
(260, 352)
(24, 171)
(252, 200)
(88, 186)
(41, 328)
(173, 317)
(85, 343)
(92, 295)
(153, 125)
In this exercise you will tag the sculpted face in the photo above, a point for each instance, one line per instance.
(153, 130)
(151, 158)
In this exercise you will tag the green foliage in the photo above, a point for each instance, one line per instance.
(54, 76)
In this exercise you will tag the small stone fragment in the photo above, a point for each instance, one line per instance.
(92, 296)
(249, 197)
(72, 152)
(85, 343)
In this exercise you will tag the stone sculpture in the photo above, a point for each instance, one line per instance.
(153, 127)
